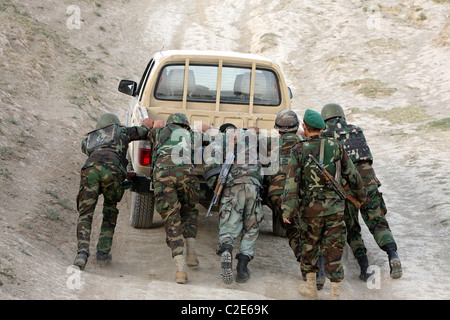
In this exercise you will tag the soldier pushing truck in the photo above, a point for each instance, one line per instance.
(170, 168)
(237, 190)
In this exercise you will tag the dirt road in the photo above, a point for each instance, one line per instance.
(385, 62)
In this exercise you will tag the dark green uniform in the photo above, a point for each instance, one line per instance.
(276, 189)
(240, 205)
(240, 209)
(323, 208)
(374, 210)
(103, 173)
(175, 182)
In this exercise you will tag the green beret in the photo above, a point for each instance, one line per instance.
(314, 119)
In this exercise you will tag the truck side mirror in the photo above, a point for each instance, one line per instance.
(128, 87)
(290, 93)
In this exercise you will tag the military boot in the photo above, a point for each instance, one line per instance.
(364, 265)
(309, 289)
(394, 261)
(81, 259)
(243, 273)
(191, 257)
(335, 290)
(181, 276)
(103, 258)
(226, 263)
(321, 277)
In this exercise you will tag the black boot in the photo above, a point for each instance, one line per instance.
(243, 273)
(364, 265)
(81, 259)
(320, 276)
(394, 260)
(226, 263)
(103, 258)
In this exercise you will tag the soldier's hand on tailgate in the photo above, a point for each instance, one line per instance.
(148, 123)
(205, 127)
(254, 128)
(158, 124)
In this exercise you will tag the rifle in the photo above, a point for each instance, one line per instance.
(221, 180)
(343, 194)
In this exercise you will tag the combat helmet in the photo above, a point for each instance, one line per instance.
(107, 119)
(332, 110)
(286, 121)
(226, 126)
(178, 118)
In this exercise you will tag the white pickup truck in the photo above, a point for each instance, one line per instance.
(208, 86)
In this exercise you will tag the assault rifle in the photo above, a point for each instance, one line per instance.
(343, 194)
(221, 180)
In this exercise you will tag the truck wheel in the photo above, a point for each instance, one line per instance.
(277, 226)
(142, 207)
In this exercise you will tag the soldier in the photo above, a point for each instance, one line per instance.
(374, 210)
(103, 173)
(176, 188)
(287, 125)
(323, 208)
(240, 205)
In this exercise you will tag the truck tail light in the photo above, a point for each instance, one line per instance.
(145, 154)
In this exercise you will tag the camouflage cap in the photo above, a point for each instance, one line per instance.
(107, 119)
(286, 121)
(178, 118)
(332, 110)
(314, 119)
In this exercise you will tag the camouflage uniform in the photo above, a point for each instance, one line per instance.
(287, 124)
(276, 185)
(103, 173)
(323, 208)
(374, 210)
(175, 183)
(240, 204)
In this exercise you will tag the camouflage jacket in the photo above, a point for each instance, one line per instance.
(283, 149)
(355, 145)
(246, 167)
(173, 146)
(110, 144)
(352, 137)
(304, 184)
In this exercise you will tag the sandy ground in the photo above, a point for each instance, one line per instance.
(55, 78)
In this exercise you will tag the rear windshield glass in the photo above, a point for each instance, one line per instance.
(202, 85)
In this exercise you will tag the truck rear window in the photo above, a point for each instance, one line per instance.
(202, 85)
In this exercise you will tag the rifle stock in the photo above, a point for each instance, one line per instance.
(354, 201)
(221, 181)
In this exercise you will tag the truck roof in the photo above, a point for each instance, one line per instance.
(213, 55)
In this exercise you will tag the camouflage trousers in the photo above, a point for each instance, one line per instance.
(373, 213)
(293, 230)
(324, 234)
(240, 212)
(176, 194)
(99, 179)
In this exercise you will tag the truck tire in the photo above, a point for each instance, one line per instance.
(142, 208)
